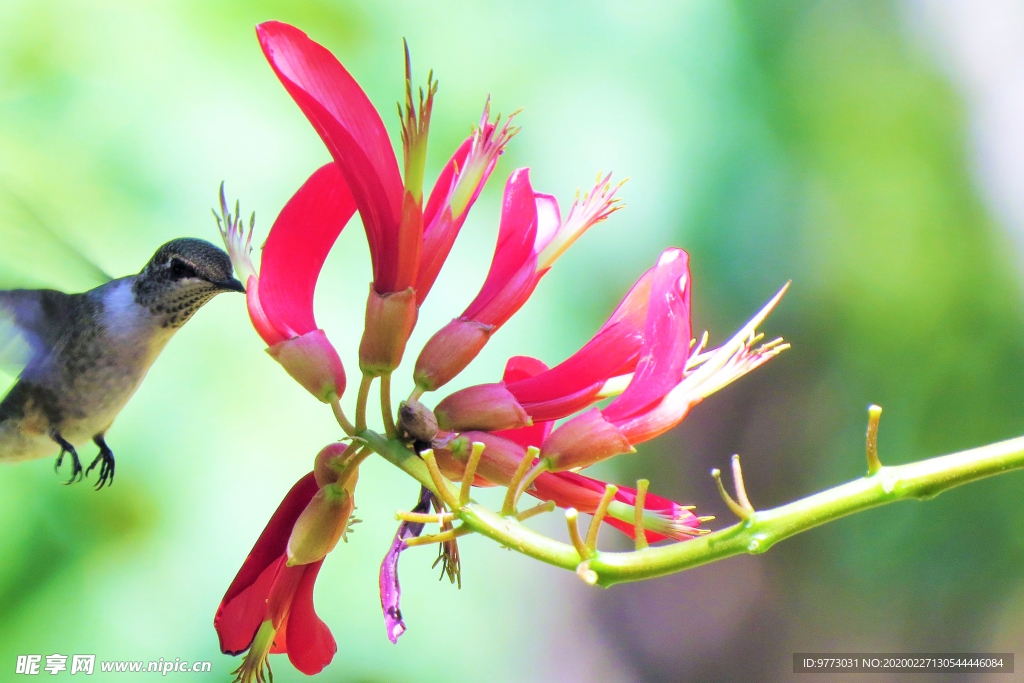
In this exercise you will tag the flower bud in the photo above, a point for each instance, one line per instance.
(328, 464)
(498, 462)
(416, 420)
(322, 523)
(484, 407)
(583, 441)
(390, 318)
(312, 362)
(449, 351)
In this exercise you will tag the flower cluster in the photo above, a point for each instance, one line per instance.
(636, 378)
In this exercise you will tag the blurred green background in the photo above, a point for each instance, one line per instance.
(866, 150)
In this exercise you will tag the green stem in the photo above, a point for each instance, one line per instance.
(756, 534)
(361, 399)
(385, 406)
(399, 455)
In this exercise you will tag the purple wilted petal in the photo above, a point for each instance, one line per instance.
(390, 591)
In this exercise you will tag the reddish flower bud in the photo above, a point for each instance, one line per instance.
(531, 236)
(449, 351)
(322, 523)
(328, 464)
(662, 518)
(498, 462)
(582, 441)
(486, 407)
(390, 318)
(280, 299)
(312, 362)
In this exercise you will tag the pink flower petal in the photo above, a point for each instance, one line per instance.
(352, 130)
(666, 344)
(517, 369)
(512, 275)
(239, 618)
(574, 384)
(445, 183)
(297, 247)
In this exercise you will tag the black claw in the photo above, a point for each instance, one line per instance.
(105, 460)
(67, 448)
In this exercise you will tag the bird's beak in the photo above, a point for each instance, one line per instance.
(231, 285)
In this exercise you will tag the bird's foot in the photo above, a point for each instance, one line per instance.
(67, 449)
(105, 460)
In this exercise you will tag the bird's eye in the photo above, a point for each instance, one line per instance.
(180, 269)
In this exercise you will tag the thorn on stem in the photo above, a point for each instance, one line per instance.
(588, 575)
(874, 415)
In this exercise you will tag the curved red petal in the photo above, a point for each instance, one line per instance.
(629, 529)
(297, 247)
(310, 644)
(348, 124)
(549, 220)
(568, 489)
(239, 618)
(512, 275)
(666, 345)
(517, 369)
(280, 644)
(437, 244)
(272, 543)
(498, 302)
(270, 334)
(445, 182)
(440, 228)
(522, 367)
(573, 384)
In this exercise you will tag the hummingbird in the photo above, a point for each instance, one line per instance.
(82, 356)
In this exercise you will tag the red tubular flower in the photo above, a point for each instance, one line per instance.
(661, 518)
(355, 136)
(504, 450)
(502, 454)
(668, 381)
(399, 232)
(268, 608)
(582, 379)
(454, 193)
(531, 237)
(280, 298)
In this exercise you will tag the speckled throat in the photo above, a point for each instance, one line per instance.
(173, 305)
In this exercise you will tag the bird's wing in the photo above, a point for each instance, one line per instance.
(30, 324)
(34, 253)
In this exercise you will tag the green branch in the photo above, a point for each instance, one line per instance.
(756, 533)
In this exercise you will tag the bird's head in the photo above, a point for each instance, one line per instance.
(182, 276)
